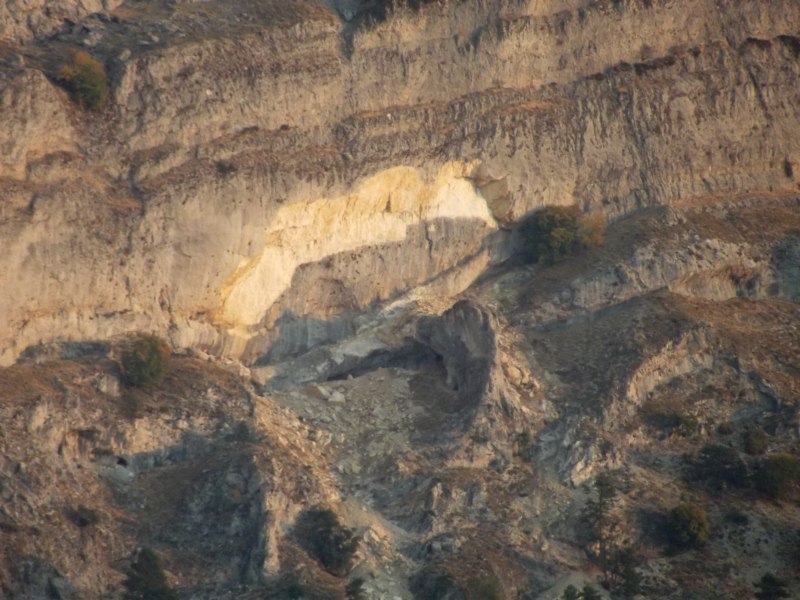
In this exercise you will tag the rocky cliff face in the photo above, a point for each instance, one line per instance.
(216, 149)
(316, 205)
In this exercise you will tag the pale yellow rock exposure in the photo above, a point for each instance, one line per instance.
(377, 212)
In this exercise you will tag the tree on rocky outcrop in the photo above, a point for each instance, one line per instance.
(85, 79)
(555, 232)
(769, 587)
(144, 359)
(146, 579)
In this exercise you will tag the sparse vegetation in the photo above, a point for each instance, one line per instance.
(144, 359)
(554, 232)
(85, 79)
(778, 475)
(687, 526)
(322, 535)
(146, 579)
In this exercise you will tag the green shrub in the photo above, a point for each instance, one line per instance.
(83, 516)
(589, 593)
(85, 79)
(778, 475)
(435, 583)
(144, 359)
(225, 168)
(554, 232)
(720, 467)
(286, 586)
(354, 589)
(146, 579)
(756, 441)
(737, 517)
(484, 587)
(523, 445)
(725, 428)
(319, 532)
(687, 526)
(669, 418)
(570, 593)
(769, 587)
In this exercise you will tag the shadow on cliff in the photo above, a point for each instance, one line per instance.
(201, 504)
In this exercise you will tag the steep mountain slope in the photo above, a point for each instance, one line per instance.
(316, 206)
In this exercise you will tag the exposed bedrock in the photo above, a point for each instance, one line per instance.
(467, 338)
(253, 188)
(21, 20)
(250, 276)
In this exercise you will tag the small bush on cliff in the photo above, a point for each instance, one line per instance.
(720, 467)
(778, 476)
(687, 526)
(669, 418)
(144, 359)
(756, 441)
(85, 79)
(322, 535)
(554, 232)
(146, 579)
(82, 516)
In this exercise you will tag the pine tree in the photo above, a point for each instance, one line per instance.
(598, 516)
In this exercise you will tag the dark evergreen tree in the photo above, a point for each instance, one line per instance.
(769, 587)
(146, 579)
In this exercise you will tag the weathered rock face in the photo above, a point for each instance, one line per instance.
(21, 20)
(249, 173)
(327, 193)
